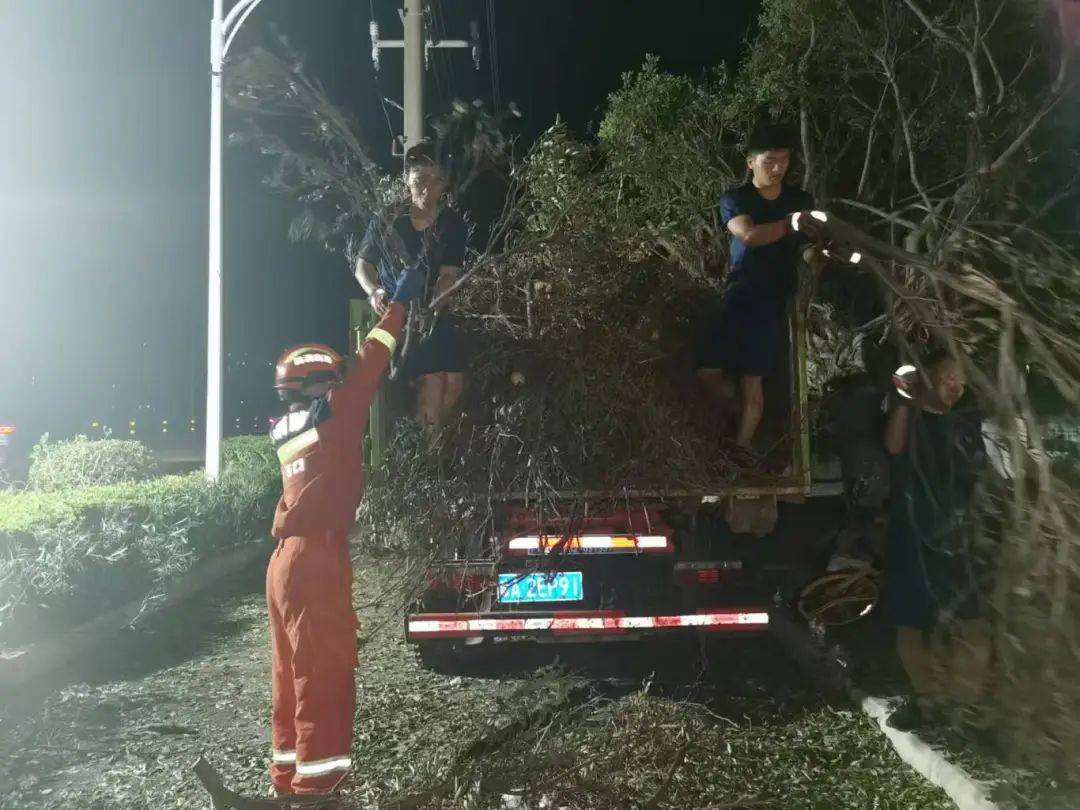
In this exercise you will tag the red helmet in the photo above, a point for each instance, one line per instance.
(307, 364)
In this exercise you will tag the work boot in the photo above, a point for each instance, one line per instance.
(968, 724)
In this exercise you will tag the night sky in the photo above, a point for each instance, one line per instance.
(104, 180)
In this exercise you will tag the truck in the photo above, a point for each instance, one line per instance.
(628, 565)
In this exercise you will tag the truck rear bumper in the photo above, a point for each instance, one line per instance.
(574, 625)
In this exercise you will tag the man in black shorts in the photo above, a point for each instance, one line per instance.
(428, 234)
(767, 221)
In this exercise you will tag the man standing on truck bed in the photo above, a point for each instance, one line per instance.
(309, 579)
(430, 235)
(767, 221)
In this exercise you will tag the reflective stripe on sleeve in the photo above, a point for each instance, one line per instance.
(384, 337)
(321, 766)
(296, 444)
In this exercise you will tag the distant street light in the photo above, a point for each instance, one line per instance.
(223, 30)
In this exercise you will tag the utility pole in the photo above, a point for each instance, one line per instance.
(414, 72)
(417, 49)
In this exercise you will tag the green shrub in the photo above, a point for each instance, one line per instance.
(250, 454)
(69, 554)
(82, 462)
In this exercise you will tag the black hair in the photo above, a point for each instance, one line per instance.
(767, 136)
(935, 357)
(421, 155)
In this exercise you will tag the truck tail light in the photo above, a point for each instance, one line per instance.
(589, 544)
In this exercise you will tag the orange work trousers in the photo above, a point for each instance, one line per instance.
(313, 643)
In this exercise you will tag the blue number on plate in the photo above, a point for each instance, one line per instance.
(565, 586)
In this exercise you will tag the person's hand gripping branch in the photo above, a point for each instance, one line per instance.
(811, 224)
(931, 391)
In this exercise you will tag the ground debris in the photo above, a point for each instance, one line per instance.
(553, 738)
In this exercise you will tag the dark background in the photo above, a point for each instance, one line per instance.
(104, 182)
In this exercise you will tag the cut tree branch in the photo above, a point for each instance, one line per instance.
(870, 136)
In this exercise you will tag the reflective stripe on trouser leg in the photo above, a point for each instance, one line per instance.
(321, 628)
(324, 716)
(283, 696)
(322, 767)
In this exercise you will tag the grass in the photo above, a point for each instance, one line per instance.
(424, 739)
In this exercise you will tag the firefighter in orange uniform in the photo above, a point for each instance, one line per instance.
(309, 579)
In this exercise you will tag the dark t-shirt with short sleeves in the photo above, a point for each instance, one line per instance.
(442, 244)
(929, 567)
(767, 271)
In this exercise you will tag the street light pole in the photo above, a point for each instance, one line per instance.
(214, 343)
(223, 29)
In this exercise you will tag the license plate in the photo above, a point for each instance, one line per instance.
(565, 586)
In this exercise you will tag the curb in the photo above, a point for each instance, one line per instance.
(931, 764)
(19, 666)
(831, 672)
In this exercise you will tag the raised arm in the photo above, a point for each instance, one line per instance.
(358, 389)
(896, 429)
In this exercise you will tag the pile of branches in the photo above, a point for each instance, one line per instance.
(578, 302)
(945, 132)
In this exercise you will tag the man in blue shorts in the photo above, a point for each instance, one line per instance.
(767, 222)
(428, 234)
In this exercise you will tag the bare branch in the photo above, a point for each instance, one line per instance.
(870, 136)
(970, 52)
(1024, 135)
(804, 115)
(1049, 204)
(1029, 60)
(931, 27)
(885, 215)
(994, 69)
(997, 15)
(906, 129)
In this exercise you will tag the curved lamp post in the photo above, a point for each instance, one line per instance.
(223, 30)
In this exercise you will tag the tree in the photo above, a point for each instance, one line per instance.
(947, 130)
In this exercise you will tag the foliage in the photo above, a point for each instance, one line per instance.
(82, 462)
(670, 149)
(67, 554)
(947, 132)
(422, 510)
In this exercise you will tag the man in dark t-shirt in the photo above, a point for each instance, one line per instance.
(427, 234)
(767, 222)
(931, 589)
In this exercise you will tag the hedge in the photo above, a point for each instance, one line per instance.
(69, 554)
(83, 462)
